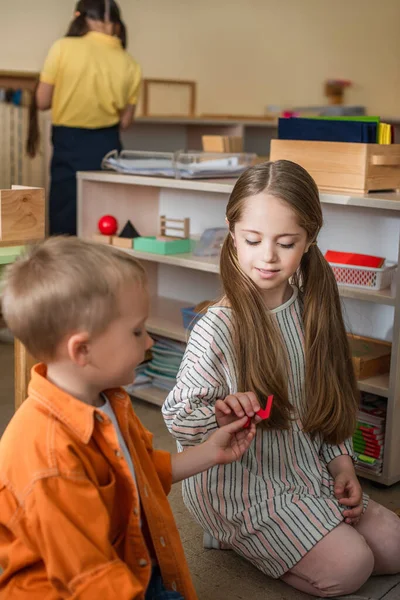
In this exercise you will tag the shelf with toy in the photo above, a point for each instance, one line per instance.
(211, 265)
(353, 222)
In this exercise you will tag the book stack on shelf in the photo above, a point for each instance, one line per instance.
(369, 437)
(161, 368)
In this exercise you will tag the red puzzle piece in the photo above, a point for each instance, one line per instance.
(262, 413)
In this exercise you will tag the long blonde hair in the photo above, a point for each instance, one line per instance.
(331, 395)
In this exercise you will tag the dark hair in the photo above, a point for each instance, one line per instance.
(85, 9)
(96, 10)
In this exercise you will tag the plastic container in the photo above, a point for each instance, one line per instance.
(179, 165)
(364, 277)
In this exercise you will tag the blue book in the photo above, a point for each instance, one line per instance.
(321, 130)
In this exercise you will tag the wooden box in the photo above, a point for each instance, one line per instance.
(344, 167)
(370, 356)
(22, 216)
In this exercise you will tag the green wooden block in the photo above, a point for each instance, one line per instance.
(10, 253)
(151, 244)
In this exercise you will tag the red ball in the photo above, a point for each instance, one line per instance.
(108, 225)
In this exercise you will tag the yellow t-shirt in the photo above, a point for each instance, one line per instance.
(94, 79)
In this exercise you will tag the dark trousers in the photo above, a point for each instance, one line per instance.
(74, 149)
(157, 591)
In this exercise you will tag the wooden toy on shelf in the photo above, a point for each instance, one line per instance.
(181, 225)
(165, 243)
(222, 143)
(334, 90)
(126, 237)
(108, 226)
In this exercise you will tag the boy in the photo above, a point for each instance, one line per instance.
(83, 506)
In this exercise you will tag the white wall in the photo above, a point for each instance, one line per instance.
(244, 54)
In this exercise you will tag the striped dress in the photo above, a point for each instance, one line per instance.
(275, 503)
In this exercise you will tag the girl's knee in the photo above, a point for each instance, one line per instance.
(346, 573)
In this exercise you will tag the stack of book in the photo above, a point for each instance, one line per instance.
(369, 437)
(161, 367)
(361, 129)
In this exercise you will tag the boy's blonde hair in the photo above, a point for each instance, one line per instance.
(62, 285)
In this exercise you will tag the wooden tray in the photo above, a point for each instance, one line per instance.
(370, 356)
(344, 167)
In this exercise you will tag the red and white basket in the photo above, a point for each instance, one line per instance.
(364, 277)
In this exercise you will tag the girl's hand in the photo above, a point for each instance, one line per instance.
(349, 493)
(236, 406)
(230, 442)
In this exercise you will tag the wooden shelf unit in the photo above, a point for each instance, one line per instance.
(182, 280)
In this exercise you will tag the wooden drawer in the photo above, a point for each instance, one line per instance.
(344, 167)
(370, 356)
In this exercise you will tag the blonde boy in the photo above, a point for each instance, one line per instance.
(83, 495)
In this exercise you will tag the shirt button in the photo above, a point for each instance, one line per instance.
(136, 511)
(99, 417)
(117, 453)
(162, 542)
(145, 491)
(142, 562)
(174, 586)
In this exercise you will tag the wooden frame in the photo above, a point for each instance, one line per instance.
(146, 93)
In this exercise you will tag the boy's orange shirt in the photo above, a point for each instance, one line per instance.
(70, 515)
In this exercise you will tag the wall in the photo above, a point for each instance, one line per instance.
(244, 54)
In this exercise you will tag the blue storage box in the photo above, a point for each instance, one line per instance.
(190, 317)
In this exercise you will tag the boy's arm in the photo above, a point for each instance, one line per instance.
(67, 524)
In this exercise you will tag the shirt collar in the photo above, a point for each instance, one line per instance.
(75, 414)
(104, 38)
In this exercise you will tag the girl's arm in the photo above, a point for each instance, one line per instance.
(127, 116)
(329, 452)
(189, 410)
(44, 95)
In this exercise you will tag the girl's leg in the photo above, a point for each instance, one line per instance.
(338, 565)
(381, 529)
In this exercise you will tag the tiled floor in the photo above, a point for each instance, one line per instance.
(218, 575)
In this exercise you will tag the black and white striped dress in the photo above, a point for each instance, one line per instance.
(277, 502)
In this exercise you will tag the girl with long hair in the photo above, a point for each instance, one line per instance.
(292, 505)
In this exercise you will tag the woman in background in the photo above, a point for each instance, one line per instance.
(91, 85)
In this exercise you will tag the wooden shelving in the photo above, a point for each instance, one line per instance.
(143, 199)
(376, 385)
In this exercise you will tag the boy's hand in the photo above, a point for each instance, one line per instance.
(349, 493)
(236, 406)
(231, 441)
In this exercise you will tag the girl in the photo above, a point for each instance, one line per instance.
(292, 505)
(91, 84)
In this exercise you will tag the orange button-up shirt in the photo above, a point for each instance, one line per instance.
(69, 509)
